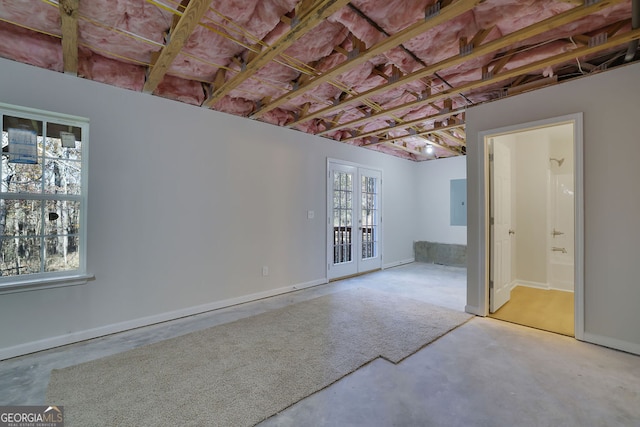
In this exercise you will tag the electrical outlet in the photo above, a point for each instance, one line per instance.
(265, 270)
(311, 214)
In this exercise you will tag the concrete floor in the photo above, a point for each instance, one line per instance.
(486, 372)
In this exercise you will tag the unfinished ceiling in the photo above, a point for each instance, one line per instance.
(388, 75)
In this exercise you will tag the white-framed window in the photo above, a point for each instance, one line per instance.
(43, 197)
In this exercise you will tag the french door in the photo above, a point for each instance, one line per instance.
(354, 226)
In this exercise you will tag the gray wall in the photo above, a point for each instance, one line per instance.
(531, 151)
(185, 207)
(433, 189)
(611, 103)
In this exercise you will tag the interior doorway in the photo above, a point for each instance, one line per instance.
(532, 223)
(354, 219)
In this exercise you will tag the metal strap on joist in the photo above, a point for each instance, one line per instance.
(431, 11)
(395, 74)
(487, 75)
(353, 53)
(590, 2)
(466, 49)
(598, 39)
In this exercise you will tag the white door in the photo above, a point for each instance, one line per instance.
(353, 219)
(369, 220)
(501, 230)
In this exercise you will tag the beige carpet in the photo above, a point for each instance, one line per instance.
(241, 373)
(549, 310)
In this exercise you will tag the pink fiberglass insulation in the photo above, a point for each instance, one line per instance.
(129, 31)
(358, 26)
(247, 22)
(137, 17)
(31, 48)
(255, 17)
(511, 15)
(268, 81)
(205, 52)
(393, 15)
(118, 40)
(34, 14)
(311, 47)
(96, 67)
(586, 25)
(278, 117)
(235, 106)
(187, 91)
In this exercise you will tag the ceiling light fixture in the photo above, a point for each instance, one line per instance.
(429, 148)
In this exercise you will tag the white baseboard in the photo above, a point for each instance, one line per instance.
(629, 347)
(530, 284)
(472, 309)
(73, 337)
(539, 285)
(397, 263)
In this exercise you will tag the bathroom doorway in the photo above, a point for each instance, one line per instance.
(532, 227)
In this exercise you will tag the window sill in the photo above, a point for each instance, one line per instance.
(45, 283)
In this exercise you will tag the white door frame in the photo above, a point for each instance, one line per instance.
(359, 169)
(484, 213)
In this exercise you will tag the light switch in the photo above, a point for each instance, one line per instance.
(310, 214)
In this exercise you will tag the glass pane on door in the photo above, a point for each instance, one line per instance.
(342, 217)
(369, 216)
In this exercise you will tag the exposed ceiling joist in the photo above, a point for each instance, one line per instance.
(445, 14)
(312, 16)
(439, 145)
(190, 19)
(406, 149)
(407, 124)
(525, 69)
(423, 133)
(324, 78)
(479, 51)
(69, 25)
(447, 135)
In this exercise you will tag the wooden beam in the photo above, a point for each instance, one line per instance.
(406, 124)
(312, 16)
(500, 63)
(69, 23)
(492, 46)
(536, 84)
(447, 135)
(525, 69)
(423, 133)
(435, 144)
(190, 19)
(480, 36)
(400, 147)
(446, 14)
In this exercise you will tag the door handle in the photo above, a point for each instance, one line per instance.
(512, 232)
